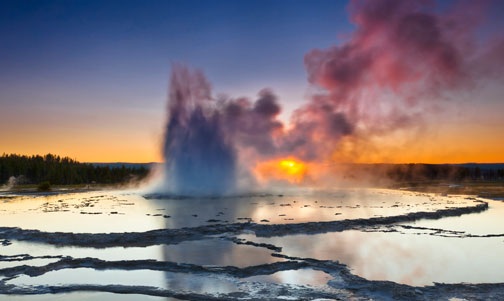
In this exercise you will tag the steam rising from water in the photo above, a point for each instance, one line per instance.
(199, 158)
(401, 54)
(10, 183)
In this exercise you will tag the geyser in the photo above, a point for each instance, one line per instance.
(403, 58)
(198, 159)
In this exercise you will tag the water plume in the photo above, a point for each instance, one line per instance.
(198, 157)
(207, 137)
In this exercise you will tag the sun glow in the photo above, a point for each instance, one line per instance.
(288, 169)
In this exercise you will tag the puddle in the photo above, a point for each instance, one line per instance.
(216, 251)
(167, 280)
(78, 296)
(32, 262)
(114, 253)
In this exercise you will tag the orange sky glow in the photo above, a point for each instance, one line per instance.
(142, 143)
(450, 136)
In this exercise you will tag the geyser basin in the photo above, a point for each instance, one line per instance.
(116, 237)
(123, 211)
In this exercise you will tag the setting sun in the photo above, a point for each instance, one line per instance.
(289, 169)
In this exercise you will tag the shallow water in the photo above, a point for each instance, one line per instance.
(488, 222)
(114, 253)
(412, 256)
(80, 296)
(297, 277)
(175, 281)
(409, 259)
(232, 260)
(120, 211)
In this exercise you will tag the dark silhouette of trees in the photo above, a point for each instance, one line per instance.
(63, 171)
(419, 172)
(436, 172)
(66, 171)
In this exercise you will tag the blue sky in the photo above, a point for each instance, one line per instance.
(96, 52)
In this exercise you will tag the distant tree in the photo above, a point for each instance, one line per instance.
(44, 186)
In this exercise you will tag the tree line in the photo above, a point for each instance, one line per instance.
(66, 171)
(419, 172)
(436, 172)
(63, 171)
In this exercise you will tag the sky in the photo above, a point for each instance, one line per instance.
(89, 79)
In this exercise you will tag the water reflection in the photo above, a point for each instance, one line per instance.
(83, 296)
(487, 222)
(90, 212)
(127, 211)
(302, 206)
(409, 259)
(217, 252)
(110, 254)
(297, 277)
(174, 281)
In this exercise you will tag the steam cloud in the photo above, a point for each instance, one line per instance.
(401, 54)
(199, 156)
(11, 182)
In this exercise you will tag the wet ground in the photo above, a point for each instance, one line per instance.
(340, 244)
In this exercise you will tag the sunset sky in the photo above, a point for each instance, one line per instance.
(89, 79)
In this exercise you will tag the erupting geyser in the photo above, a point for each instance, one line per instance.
(401, 59)
(199, 160)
